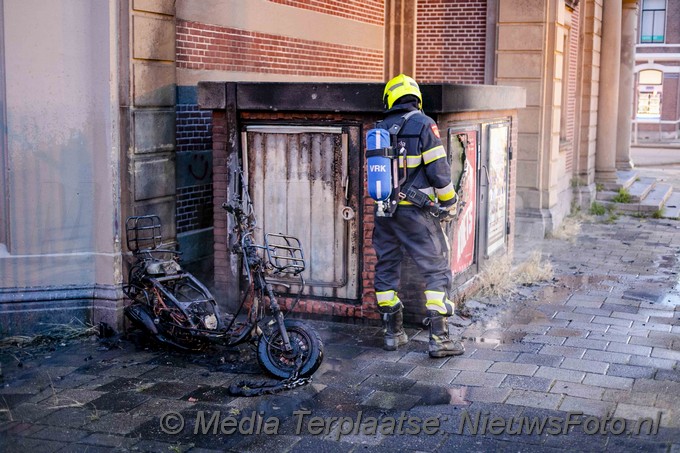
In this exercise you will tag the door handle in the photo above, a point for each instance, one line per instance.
(486, 173)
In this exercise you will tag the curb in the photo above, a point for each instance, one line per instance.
(657, 145)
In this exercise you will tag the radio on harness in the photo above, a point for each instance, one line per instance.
(421, 200)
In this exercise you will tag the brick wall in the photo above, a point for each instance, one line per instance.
(451, 41)
(194, 177)
(670, 107)
(193, 128)
(368, 11)
(673, 23)
(220, 175)
(194, 208)
(209, 47)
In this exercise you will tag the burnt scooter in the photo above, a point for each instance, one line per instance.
(176, 309)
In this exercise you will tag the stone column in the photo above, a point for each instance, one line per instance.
(608, 104)
(400, 38)
(626, 83)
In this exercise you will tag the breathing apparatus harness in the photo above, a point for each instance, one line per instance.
(384, 178)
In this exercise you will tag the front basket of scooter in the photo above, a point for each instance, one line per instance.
(284, 253)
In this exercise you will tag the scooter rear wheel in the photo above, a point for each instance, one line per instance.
(304, 340)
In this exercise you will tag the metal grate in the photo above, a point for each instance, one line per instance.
(143, 232)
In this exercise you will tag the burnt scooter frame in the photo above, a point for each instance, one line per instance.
(280, 255)
(177, 309)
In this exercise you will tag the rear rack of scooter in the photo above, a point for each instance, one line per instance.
(284, 253)
(143, 233)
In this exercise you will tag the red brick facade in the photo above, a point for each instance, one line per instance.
(451, 41)
(209, 47)
(220, 172)
(672, 24)
(368, 11)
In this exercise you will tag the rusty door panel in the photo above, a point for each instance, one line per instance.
(297, 177)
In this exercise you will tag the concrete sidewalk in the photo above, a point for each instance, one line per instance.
(655, 156)
(602, 339)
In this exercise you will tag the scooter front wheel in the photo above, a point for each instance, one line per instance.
(305, 343)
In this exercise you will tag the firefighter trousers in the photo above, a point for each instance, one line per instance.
(421, 236)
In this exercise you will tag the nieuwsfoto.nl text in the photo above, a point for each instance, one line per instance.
(476, 423)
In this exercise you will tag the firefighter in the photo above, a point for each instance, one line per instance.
(414, 229)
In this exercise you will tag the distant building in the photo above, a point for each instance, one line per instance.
(657, 70)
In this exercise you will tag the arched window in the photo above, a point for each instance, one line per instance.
(651, 77)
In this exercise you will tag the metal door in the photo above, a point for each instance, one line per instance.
(496, 170)
(301, 184)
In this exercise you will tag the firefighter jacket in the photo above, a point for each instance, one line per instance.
(427, 167)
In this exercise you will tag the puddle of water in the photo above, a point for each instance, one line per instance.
(456, 396)
(490, 341)
(644, 295)
(668, 298)
(566, 285)
(526, 316)
(496, 338)
(553, 295)
(655, 296)
(671, 299)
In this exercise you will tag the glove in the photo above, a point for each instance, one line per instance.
(449, 213)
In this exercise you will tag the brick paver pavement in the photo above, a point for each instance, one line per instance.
(601, 340)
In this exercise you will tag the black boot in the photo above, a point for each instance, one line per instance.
(440, 343)
(393, 323)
